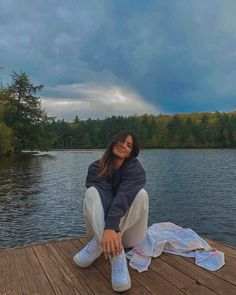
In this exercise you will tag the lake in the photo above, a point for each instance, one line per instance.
(41, 196)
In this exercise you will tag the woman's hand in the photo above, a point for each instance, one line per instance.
(111, 242)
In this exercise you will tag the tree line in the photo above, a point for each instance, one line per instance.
(24, 124)
(195, 130)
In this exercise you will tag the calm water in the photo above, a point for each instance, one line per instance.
(41, 197)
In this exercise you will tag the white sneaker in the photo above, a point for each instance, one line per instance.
(119, 273)
(88, 254)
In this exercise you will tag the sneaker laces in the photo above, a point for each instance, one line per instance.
(119, 263)
(92, 247)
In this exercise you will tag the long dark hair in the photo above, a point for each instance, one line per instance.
(107, 161)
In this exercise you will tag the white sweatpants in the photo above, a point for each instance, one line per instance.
(133, 224)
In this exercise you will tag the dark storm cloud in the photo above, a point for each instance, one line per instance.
(175, 56)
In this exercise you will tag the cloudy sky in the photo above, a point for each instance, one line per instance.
(99, 58)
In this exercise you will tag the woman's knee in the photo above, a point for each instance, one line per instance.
(91, 192)
(91, 198)
(142, 199)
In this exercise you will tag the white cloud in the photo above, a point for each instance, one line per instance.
(95, 101)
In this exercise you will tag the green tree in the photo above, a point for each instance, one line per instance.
(25, 115)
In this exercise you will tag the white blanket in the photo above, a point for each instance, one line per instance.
(171, 238)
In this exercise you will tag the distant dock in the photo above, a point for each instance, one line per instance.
(49, 269)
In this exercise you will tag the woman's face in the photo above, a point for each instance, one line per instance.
(122, 150)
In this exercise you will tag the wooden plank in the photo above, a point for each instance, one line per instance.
(103, 266)
(90, 275)
(23, 273)
(155, 283)
(202, 276)
(59, 274)
(9, 280)
(199, 290)
(62, 248)
(171, 274)
(228, 271)
(31, 274)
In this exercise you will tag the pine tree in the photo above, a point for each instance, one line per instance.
(25, 114)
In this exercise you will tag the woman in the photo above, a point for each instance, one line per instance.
(115, 207)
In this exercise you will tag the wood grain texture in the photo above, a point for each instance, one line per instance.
(48, 269)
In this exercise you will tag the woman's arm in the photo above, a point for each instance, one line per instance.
(102, 184)
(132, 181)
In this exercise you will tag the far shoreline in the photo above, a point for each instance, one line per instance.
(89, 149)
(102, 149)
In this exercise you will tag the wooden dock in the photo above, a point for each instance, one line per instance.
(49, 269)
